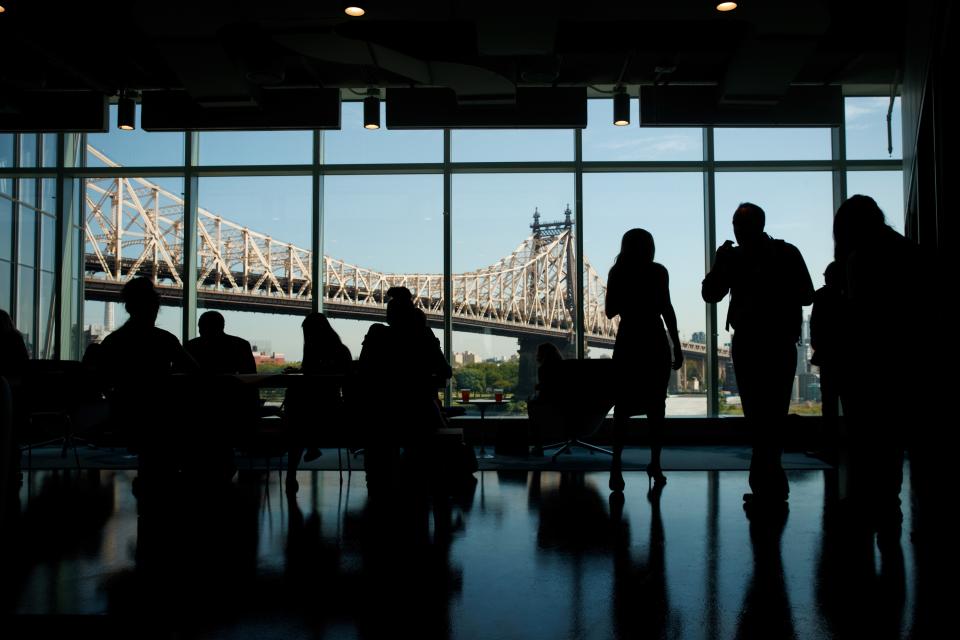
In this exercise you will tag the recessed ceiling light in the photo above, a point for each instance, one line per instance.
(2, 8)
(354, 12)
(726, 6)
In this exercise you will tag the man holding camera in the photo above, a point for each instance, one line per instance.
(768, 283)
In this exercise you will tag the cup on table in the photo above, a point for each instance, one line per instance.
(498, 395)
(465, 395)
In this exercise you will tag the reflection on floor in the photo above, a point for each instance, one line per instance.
(517, 555)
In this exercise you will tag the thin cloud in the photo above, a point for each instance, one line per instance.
(866, 107)
(665, 144)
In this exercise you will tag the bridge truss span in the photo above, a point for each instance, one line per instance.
(135, 227)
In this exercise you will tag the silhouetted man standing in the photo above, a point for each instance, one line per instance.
(768, 284)
(218, 352)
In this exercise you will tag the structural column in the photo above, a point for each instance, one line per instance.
(316, 248)
(711, 368)
(191, 189)
(578, 245)
(68, 303)
(447, 262)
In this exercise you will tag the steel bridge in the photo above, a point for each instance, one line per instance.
(134, 227)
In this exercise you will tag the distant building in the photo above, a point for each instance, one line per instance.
(94, 334)
(263, 358)
(261, 346)
(464, 357)
(700, 337)
(806, 388)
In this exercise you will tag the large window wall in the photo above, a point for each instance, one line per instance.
(28, 233)
(276, 224)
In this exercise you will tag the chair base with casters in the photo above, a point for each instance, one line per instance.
(579, 397)
(67, 440)
(596, 418)
(60, 392)
(575, 442)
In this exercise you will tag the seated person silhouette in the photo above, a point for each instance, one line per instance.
(217, 351)
(129, 362)
(13, 350)
(139, 348)
(540, 403)
(315, 401)
(14, 359)
(220, 355)
(403, 359)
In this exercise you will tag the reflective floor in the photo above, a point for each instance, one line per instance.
(518, 555)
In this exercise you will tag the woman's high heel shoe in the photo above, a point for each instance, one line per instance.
(655, 475)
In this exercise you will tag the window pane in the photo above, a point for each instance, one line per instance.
(26, 247)
(497, 260)
(49, 149)
(669, 206)
(772, 144)
(137, 148)
(866, 125)
(353, 144)
(28, 191)
(28, 149)
(6, 161)
(149, 215)
(256, 147)
(886, 187)
(254, 254)
(47, 311)
(26, 307)
(48, 242)
(390, 226)
(48, 200)
(603, 141)
(6, 150)
(799, 209)
(512, 145)
(6, 229)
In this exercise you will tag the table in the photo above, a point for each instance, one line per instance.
(281, 380)
(483, 405)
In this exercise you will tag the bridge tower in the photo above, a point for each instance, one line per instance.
(543, 234)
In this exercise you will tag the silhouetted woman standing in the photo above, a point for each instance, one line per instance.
(638, 290)
(323, 353)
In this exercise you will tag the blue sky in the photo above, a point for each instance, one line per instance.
(394, 223)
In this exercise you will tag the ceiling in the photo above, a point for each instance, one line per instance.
(232, 54)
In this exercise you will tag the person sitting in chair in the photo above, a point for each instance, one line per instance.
(538, 405)
(136, 359)
(323, 353)
(218, 352)
(405, 357)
